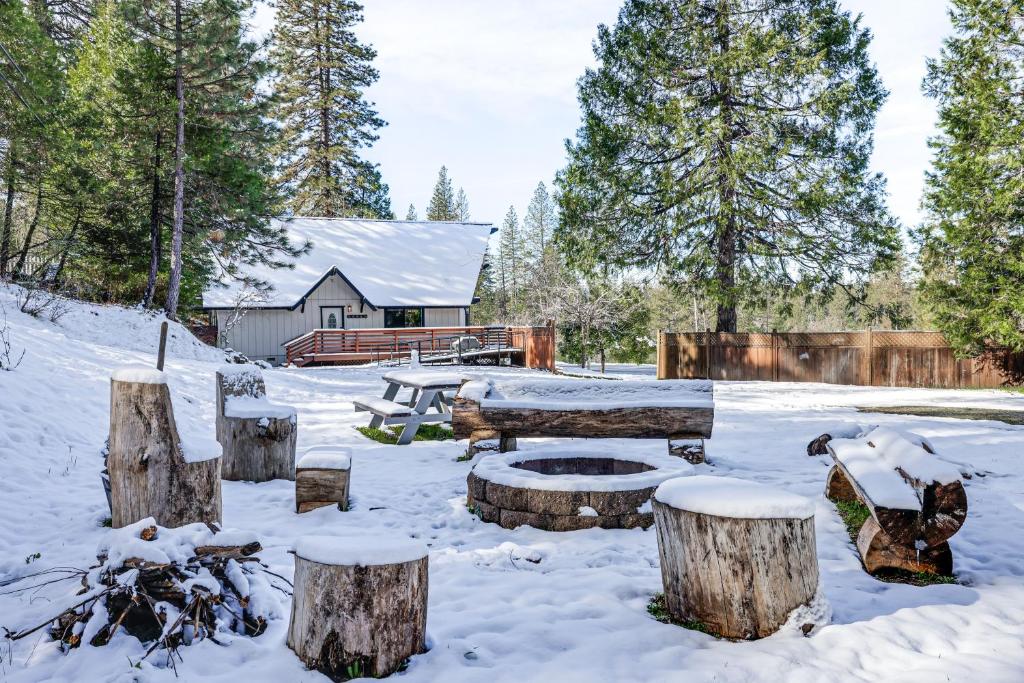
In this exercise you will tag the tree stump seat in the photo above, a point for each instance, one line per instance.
(916, 500)
(154, 469)
(360, 604)
(258, 436)
(736, 556)
(322, 478)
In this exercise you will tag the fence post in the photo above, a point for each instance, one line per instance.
(775, 355)
(869, 352)
(707, 353)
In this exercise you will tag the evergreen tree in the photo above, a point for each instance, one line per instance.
(411, 215)
(511, 276)
(442, 206)
(539, 223)
(973, 240)
(461, 206)
(325, 120)
(728, 143)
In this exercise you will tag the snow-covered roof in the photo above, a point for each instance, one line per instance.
(389, 263)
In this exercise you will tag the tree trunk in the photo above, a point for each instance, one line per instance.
(154, 228)
(740, 578)
(27, 244)
(879, 552)
(256, 447)
(725, 258)
(67, 246)
(174, 282)
(5, 232)
(350, 621)
(149, 475)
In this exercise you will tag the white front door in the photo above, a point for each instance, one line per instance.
(332, 317)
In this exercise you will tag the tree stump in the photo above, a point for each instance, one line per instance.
(151, 474)
(736, 556)
(322, 478)
(258, 436)
(360, 604)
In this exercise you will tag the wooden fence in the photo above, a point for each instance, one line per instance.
(871, 358)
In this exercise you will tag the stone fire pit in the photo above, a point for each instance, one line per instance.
(562, 490)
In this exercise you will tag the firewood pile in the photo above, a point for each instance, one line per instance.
(168, 588)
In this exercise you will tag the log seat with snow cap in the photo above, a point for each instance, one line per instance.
(159, 466)
(736, 556)
(916, 500)
(681, 411)
(258, 436)
(322, 478)
(564, 489)
(359, 606)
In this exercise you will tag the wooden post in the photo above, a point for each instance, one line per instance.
(869, 353)
(775, 355)
(163, 346)
(150, 473)
(707, 353)
(322, 478)
(662, 359)
(360, 604)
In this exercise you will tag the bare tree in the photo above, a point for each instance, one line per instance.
(248, 297)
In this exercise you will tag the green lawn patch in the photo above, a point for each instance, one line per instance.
(1013, 417)
(853, 514)
(659, 610)
(389, 435)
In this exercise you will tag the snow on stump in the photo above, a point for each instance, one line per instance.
(736, 556)
(360, 604)
(156, 469)
(258, 436)
(322, 477)
(916, 500)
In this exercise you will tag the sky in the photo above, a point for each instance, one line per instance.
(488, 89)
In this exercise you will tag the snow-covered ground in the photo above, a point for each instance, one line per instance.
(522, 605)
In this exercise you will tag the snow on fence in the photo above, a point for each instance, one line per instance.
(871, 358)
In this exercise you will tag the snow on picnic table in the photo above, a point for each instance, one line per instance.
(517, 605)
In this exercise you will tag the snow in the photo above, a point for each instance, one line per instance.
(426, 378)
(874, 458)
(363, 550)
(139, 375)
(391, 263)
(732, 497)
(250, 407)
(499, 469)
(528, 604)
(326, 458)
(582, 394)
(587, 511)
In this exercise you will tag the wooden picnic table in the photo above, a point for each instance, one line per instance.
(430, 389)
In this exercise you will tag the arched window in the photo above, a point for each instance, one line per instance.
(332, 322)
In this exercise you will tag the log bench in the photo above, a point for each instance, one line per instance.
(681, 411)
(736, 556)
(359, 606)
(322, 478)
(916, 500)
(258, 436)
(156, 469)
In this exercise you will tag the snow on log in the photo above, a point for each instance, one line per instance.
(914, 497)
(258, 436)
(322, 478)
(736, 556)
(151, 473)
(360, 604)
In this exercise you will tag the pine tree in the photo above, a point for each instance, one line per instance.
(728, 142)
(411, 215)
(539, 223)
(461, 206)
(326, 122)
(973, 239)
(442, 206)
(511, 276)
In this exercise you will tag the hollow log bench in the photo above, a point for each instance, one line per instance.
(258, 436)
(916, 500)
(736, 556)
(557, 489)
(681, 411)
(155, 469)
(359, 606)
(322, 478)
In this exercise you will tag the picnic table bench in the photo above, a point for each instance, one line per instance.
(429, 390)
(681, 411)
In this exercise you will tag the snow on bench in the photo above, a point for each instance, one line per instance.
(426, 379)
(381, 406)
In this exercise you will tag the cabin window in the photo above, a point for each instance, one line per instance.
(332, 322)
(403, 317)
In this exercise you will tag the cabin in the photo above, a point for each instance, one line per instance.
(390, 279)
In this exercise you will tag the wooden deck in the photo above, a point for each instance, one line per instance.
(322, 347)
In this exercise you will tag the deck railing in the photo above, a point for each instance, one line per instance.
(376, 343)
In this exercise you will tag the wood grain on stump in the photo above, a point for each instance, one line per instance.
(351, 620)
(256, 448)
(149, 474)
(879, 553)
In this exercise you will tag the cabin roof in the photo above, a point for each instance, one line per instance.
(387, 263)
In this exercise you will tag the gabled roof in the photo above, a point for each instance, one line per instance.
(387, 263)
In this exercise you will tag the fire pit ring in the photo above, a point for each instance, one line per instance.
(567, 489)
